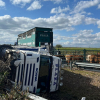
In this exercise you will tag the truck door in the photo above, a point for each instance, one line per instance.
(45, 73)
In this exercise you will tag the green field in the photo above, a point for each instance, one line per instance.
(77, 48)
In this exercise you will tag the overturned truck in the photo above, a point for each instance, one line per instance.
(32, 68)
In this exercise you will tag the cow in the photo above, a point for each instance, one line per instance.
(97, 59)
(68, 58)
(77, 58)
(98, 53)
(73, 58)
(92, 58)
(88, 58)
(61, 56)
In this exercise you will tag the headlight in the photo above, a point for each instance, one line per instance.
(61, 84)
(62, 71)
(61, 78)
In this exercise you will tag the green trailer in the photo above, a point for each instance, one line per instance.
(36, 37)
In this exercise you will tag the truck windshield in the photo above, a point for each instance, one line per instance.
(44, 73)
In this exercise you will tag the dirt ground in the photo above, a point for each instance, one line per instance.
(78, 84)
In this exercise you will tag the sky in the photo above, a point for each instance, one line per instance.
(75, 23)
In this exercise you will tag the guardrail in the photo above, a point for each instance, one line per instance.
(84, 65)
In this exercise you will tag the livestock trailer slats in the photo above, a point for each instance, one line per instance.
(36, 36)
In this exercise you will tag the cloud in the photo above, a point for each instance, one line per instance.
(76, 19)
(58, 39)
(89, 13)
(7, 38)
(17, 25)
(55, 1)
(55, 22)
(99, 6)
(84, 33)
(89, 20)
(61, 22)
(35, 5)
(85, 38)
(21, 2)
(85, 4)
(59, 10)
(2, 3)
(98, 23)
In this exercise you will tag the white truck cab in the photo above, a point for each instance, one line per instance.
(36, 71)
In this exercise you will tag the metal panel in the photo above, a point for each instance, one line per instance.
(27, 75)
(31, 74)
(89, 64)
(19, 72)
(55, 74)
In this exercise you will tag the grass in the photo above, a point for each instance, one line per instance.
(7, 92)
(77, 48)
